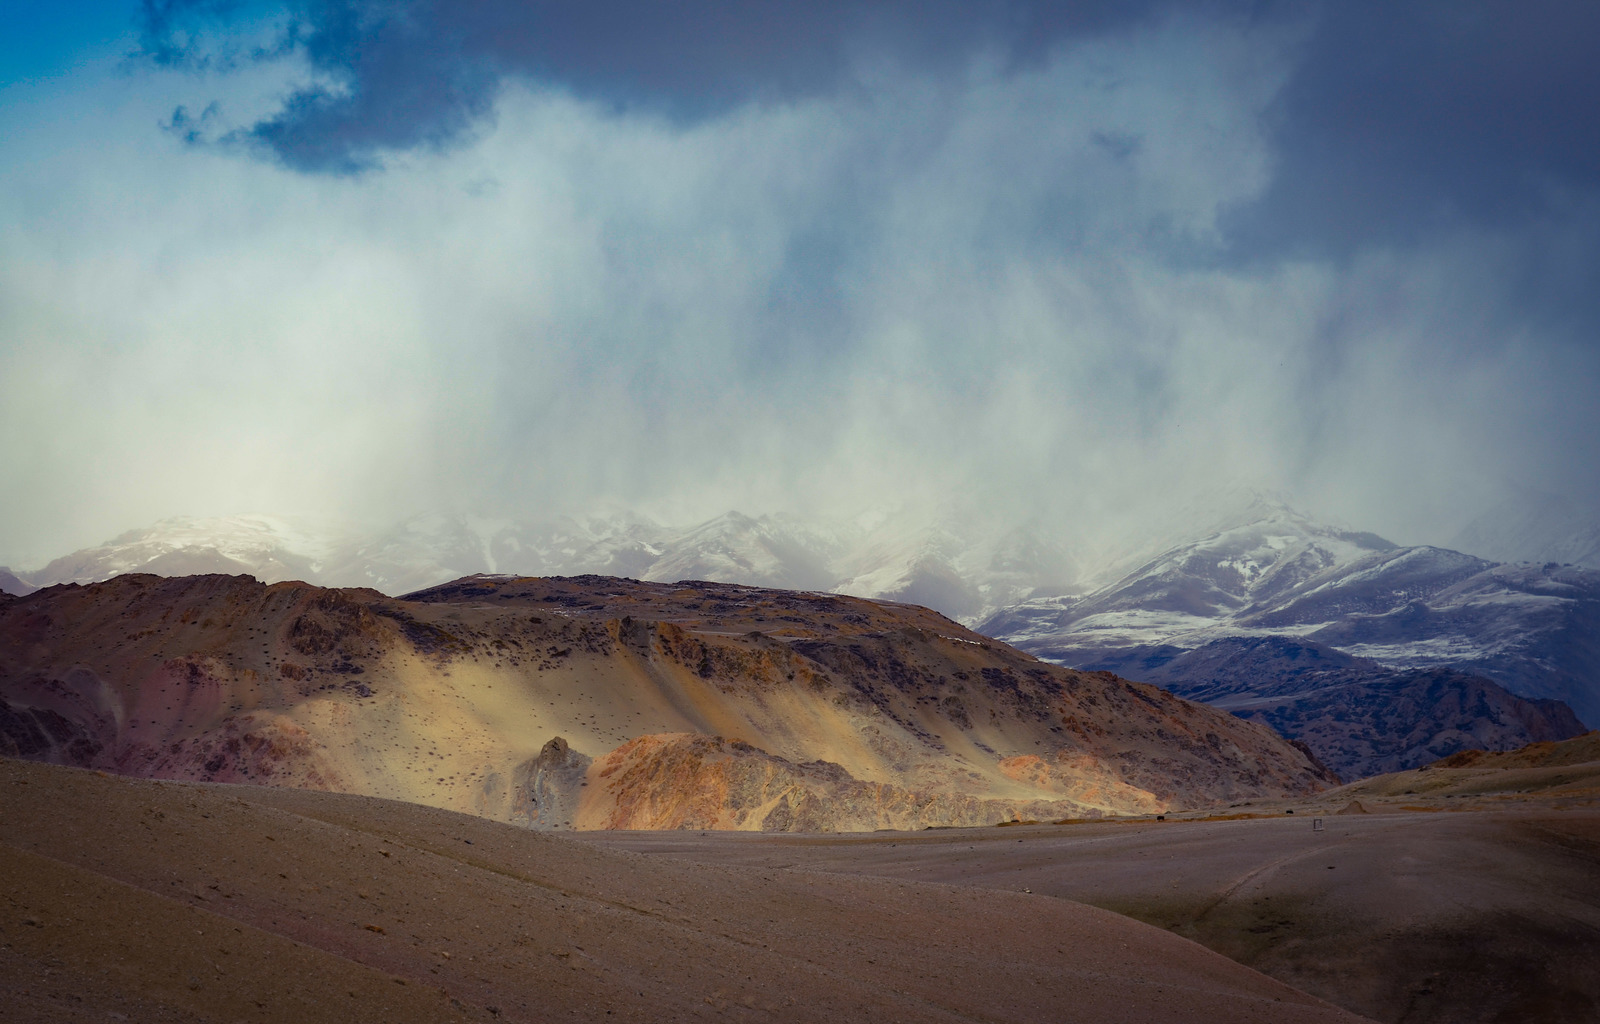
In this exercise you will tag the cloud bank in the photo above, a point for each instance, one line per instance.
(1020, 261)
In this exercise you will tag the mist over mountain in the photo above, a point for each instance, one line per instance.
(860, 414)
(11, 584)
(1535, 528)
(950, 559)
(947, 566)
(1391, 613)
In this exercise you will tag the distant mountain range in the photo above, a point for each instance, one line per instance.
(959, 572)
(1259, 569)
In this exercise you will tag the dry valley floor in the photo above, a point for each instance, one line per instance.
(197, 902)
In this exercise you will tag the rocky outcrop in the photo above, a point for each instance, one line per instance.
(547, 788)
(262, 748)
(710, 782)
(42, 734)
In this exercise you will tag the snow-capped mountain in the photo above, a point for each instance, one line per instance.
(1265, 569)
(769, 551)
(1531, 628)
(1271, 553)
(959, 572)
(270, 548)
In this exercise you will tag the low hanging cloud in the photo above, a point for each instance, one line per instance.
(1067, 265)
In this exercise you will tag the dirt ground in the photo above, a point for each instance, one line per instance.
(1401, 915)
(186, 902)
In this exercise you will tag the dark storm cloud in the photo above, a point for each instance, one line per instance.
(401, 74)
(1400, 120)
(1462, 133)
(1406, 119)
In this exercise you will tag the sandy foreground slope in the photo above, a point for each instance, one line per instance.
(171, 901)
(1402, 914)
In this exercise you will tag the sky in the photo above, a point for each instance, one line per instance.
(1054, 263)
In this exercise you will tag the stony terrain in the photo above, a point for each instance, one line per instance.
(1566, 773)
(196, 902)
(601, 703)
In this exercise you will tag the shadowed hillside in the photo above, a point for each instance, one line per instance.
(1358, 717)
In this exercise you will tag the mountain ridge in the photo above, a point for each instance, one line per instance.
(597, 702)
(962, 573)
(1530, 628)
(1357, 716)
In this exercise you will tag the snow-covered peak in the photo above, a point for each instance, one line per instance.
(272, 548)
(1258, 553)
(767, 551)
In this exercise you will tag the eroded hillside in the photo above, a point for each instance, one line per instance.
(594, 702)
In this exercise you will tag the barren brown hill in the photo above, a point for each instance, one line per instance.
(1562, 773)
(603, 703)
(1578, 750)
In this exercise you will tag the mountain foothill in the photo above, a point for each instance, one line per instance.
(595, 702)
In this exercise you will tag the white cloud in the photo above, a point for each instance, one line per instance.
(988, 291)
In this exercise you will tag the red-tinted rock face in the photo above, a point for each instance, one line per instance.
(683, 705)
(708, 782)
